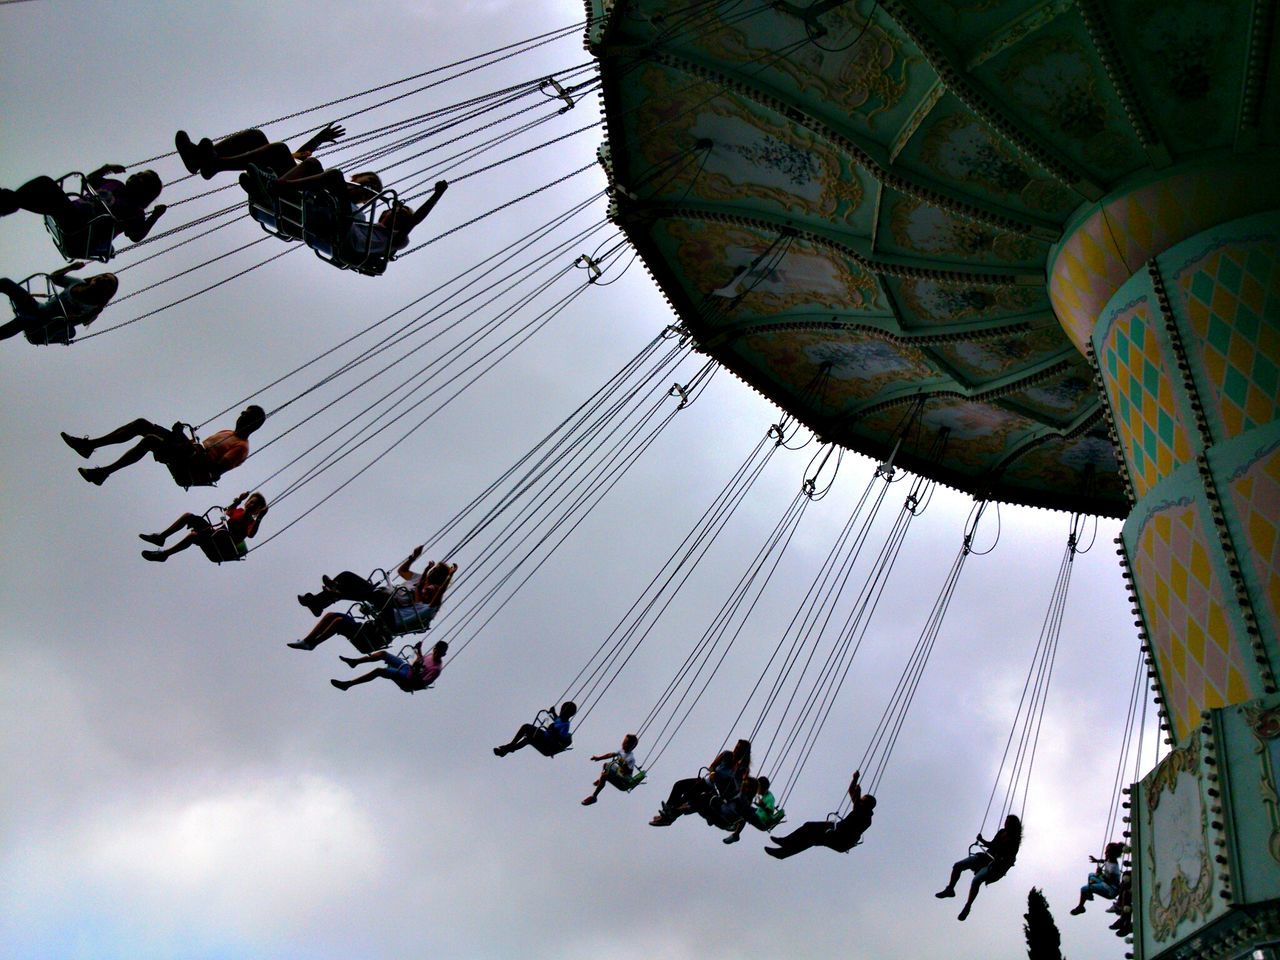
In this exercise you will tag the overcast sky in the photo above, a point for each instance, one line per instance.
(179, 783)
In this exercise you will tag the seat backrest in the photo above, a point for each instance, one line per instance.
(93, 240)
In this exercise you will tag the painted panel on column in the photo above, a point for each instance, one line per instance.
(1195, 640)
(1254, 496)
(1252, 735)
(1228, 299)
(1130, 355)
(1176, 863)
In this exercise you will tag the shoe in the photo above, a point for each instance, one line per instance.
(964, 913)
(207, 155)
(154, 555)
(340, 685)
(314, 604)
(499, 751)
(188, 151)
(80, 445)
(8, 202)
(350, 661)
(943, 894)
(775, 852)
(152, 538)
(1117, 925)
(300, 645)
(732, 838)
(1076, 911)
(588, 801)
(93, 474)
(328, 584)
(1114, 908)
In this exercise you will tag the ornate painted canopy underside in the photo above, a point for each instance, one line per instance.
(854, 215)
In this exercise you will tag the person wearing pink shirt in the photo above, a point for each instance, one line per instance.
(409, 676)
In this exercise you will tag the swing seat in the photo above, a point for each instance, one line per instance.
(187, 472)
(625, 784)
(545, 743)
(773, 820)
(329, 232)
(92, 240)
(406, 653)
(282, 217)
(58, 327)
(996, 870)
(218, 544)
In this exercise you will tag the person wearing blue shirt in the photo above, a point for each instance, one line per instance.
(548, 739)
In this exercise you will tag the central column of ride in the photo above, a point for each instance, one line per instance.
(1171, 286)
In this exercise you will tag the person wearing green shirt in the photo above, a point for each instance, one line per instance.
(764, 812)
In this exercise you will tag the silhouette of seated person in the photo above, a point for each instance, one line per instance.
(548, 739)
(55, 319)
(218, 542)
(409, 675)
(79, 218)
(842, 835)
(191, 462)
(988, 864)
(352, 587)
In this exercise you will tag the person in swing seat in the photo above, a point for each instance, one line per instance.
(1105, 881)
(126, 201)
(842, 835)
(390, 234)
(292, 170)
(225, 541)
(555, 737)
(409, 675)
(619, 769)
(989, 864)
(731, 813)
(192, 463)
(54, 320)
(251, 148)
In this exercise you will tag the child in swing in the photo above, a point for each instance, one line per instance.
(619, 770)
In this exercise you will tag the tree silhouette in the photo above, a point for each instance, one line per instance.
(1043, 940)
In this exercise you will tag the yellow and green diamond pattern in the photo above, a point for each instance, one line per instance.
(1197, 651)
(1231, 302)
(1142, 396)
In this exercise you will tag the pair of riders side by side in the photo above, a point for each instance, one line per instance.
(722, 796)
(410, 612)
(298, 172)
(54, 319)
(191, 462)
